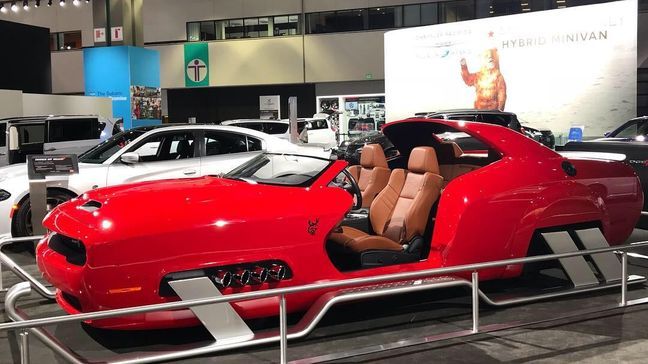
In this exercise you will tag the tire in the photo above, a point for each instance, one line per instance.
(22, 219)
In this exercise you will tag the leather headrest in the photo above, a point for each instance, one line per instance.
(373, 156)
(456, 149)
(422, 160)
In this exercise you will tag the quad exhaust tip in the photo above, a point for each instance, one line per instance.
(241, 277)
(259, 274)
(223, 278)
(277, 272)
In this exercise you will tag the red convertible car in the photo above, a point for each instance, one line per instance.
(279, 220)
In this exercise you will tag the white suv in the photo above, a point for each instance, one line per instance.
(61, 134)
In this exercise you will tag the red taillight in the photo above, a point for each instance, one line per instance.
(13, 210)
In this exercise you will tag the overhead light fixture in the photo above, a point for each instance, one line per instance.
(26, 4)
(37, 3)
(87, 1)
(3, 9)
(62, 2)
(14, 7)
(49, 2)
(76, 2)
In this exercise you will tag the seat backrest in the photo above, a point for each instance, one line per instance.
(372, 174)
(402, 209)
(183, 149)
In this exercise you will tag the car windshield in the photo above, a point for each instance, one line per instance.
(280, 169)
(103, 151)
(636, 130)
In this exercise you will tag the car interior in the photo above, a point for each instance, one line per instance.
(398, 225)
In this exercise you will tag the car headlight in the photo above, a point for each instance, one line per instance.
(4, 195)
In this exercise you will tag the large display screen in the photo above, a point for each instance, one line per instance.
(555, 69)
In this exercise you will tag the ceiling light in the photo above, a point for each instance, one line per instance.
(37, 3)
(3, 9)
(26, 5)
(14, 7)
(62, 2)
(76, 2)
(49, 2)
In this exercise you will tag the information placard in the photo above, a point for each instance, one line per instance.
(41, 166)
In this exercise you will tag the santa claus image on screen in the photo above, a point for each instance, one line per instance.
(488, 81)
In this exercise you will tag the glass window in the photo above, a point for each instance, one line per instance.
(65, 130)
(218, 142)
(453, 11)
(3, 134)
(234, 29)
(31, 134)
(253, 144)
(286, 25)
(207, 30)
(317, 124)
(253, 126)
(429, 14)
(338, 21)
(166, 146)
(412, 15)
(275, 128)
(193, 31)
(385, 17)
(280, 169)
(103, 151)
(65, 41)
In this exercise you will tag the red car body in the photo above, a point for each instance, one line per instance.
(132, 236)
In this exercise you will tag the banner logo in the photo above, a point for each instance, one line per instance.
(196, 64)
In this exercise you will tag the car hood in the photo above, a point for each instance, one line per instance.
(182, 207)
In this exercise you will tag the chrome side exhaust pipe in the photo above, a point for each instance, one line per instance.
(277, 272)
(241, 277)
(259, 275)
(222, 278)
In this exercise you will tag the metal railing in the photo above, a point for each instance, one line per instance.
(32, 325)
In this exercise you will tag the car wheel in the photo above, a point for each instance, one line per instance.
(22, 219)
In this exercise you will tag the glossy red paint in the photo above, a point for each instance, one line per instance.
(144, 231)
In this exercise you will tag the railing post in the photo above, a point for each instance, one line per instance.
(283, 328)
(624, 279)
(475, 301)
(24, 346)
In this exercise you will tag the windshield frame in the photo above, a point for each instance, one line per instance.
(306, 183)
(118, 152)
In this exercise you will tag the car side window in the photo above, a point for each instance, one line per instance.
(3, 134)
(275, 128)
(219, 142)
(463, 117)
(166, 146)
(253, 126)
(642, 128)
(66, 130)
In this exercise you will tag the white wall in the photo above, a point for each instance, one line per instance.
(56, 18)
(344, 56)
(239, 62)
(10, 103)
(67, 72)
(165, 20)
(37, 104)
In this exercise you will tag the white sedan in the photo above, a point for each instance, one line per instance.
(141, 154)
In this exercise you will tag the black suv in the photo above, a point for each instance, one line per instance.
(502, 118)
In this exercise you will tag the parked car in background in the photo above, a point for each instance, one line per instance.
(316, 131)
(58, 134)
(629, 140)
(501, 118)
(140, 154)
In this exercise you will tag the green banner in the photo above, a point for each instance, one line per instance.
(196, 64)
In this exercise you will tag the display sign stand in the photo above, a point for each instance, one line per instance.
(292, 117)
(39, 167)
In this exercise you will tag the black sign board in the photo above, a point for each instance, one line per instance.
(41, 166)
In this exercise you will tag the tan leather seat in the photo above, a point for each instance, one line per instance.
(401, 211)
(372, 174)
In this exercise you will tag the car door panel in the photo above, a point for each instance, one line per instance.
(159, 159)
(224, 151)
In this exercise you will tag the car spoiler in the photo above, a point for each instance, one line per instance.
(619, 157)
